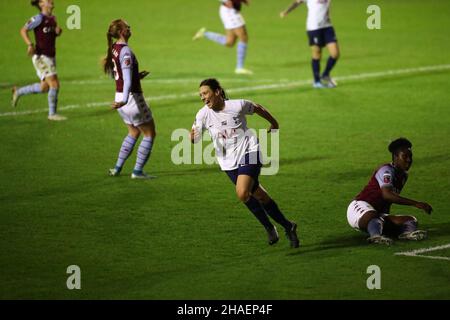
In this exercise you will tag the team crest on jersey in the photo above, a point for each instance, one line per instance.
(224, 123)
(387, 178)
(127, 61)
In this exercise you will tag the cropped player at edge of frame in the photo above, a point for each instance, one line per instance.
(43, 55)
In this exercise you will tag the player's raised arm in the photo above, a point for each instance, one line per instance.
(293, 6)
(264, 113)
(391, 196)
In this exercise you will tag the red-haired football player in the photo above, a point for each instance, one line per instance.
(43, 56)
(121, 63)
(369, 211)
(233, 21)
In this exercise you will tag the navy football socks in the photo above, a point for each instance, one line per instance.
(255, 207)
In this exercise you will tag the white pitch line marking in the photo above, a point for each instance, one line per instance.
(279, 85)
(417, 253)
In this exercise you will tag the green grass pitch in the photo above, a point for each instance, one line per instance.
(185, 235)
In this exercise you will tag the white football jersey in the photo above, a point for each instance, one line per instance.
(318, 14)
(228, 130)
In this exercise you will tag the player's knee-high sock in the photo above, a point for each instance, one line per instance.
(409, 226)
(241, 53)
(330, 64)
(125, 151)
(32, 88)
(255, 207)
(274, 212)
(315, 63)
(216, 37)
(143, 154)
(52, 100)
(375, 227)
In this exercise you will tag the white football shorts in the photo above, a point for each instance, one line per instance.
(136, 111)
(356, 210)
(45, 66)
(231, 18)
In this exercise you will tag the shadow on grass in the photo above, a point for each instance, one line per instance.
(437, 230)
(354, 240)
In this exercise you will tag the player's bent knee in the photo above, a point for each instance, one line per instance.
(44, 87)
(364, 220)
(243, 195)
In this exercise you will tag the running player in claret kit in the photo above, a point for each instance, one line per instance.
(369, 211)
(238, 154)
(43, 54)
(122, 64)
(233, 21)
(320, 33)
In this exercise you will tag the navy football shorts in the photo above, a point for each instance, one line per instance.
(321, 37)
(250, 166)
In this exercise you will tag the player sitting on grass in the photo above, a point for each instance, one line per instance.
(238, 154)
(369, 211)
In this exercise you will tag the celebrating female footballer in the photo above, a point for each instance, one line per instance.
(320, 33)
(369, 211)
(43, 56)
(237, 151)
(230, 13)
(122, 64)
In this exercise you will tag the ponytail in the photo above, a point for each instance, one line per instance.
(108, 65)
(35, 3)
(113, 32)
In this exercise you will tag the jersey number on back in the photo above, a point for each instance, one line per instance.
(115, 70)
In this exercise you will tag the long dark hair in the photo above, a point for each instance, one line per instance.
(114, 30)
(35, 3)
(214, 85)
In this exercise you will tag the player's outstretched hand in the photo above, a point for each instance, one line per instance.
(58, 31)
(273, 127)
(143, 74)
(283, 14)
(424, 206)
(118, 105)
